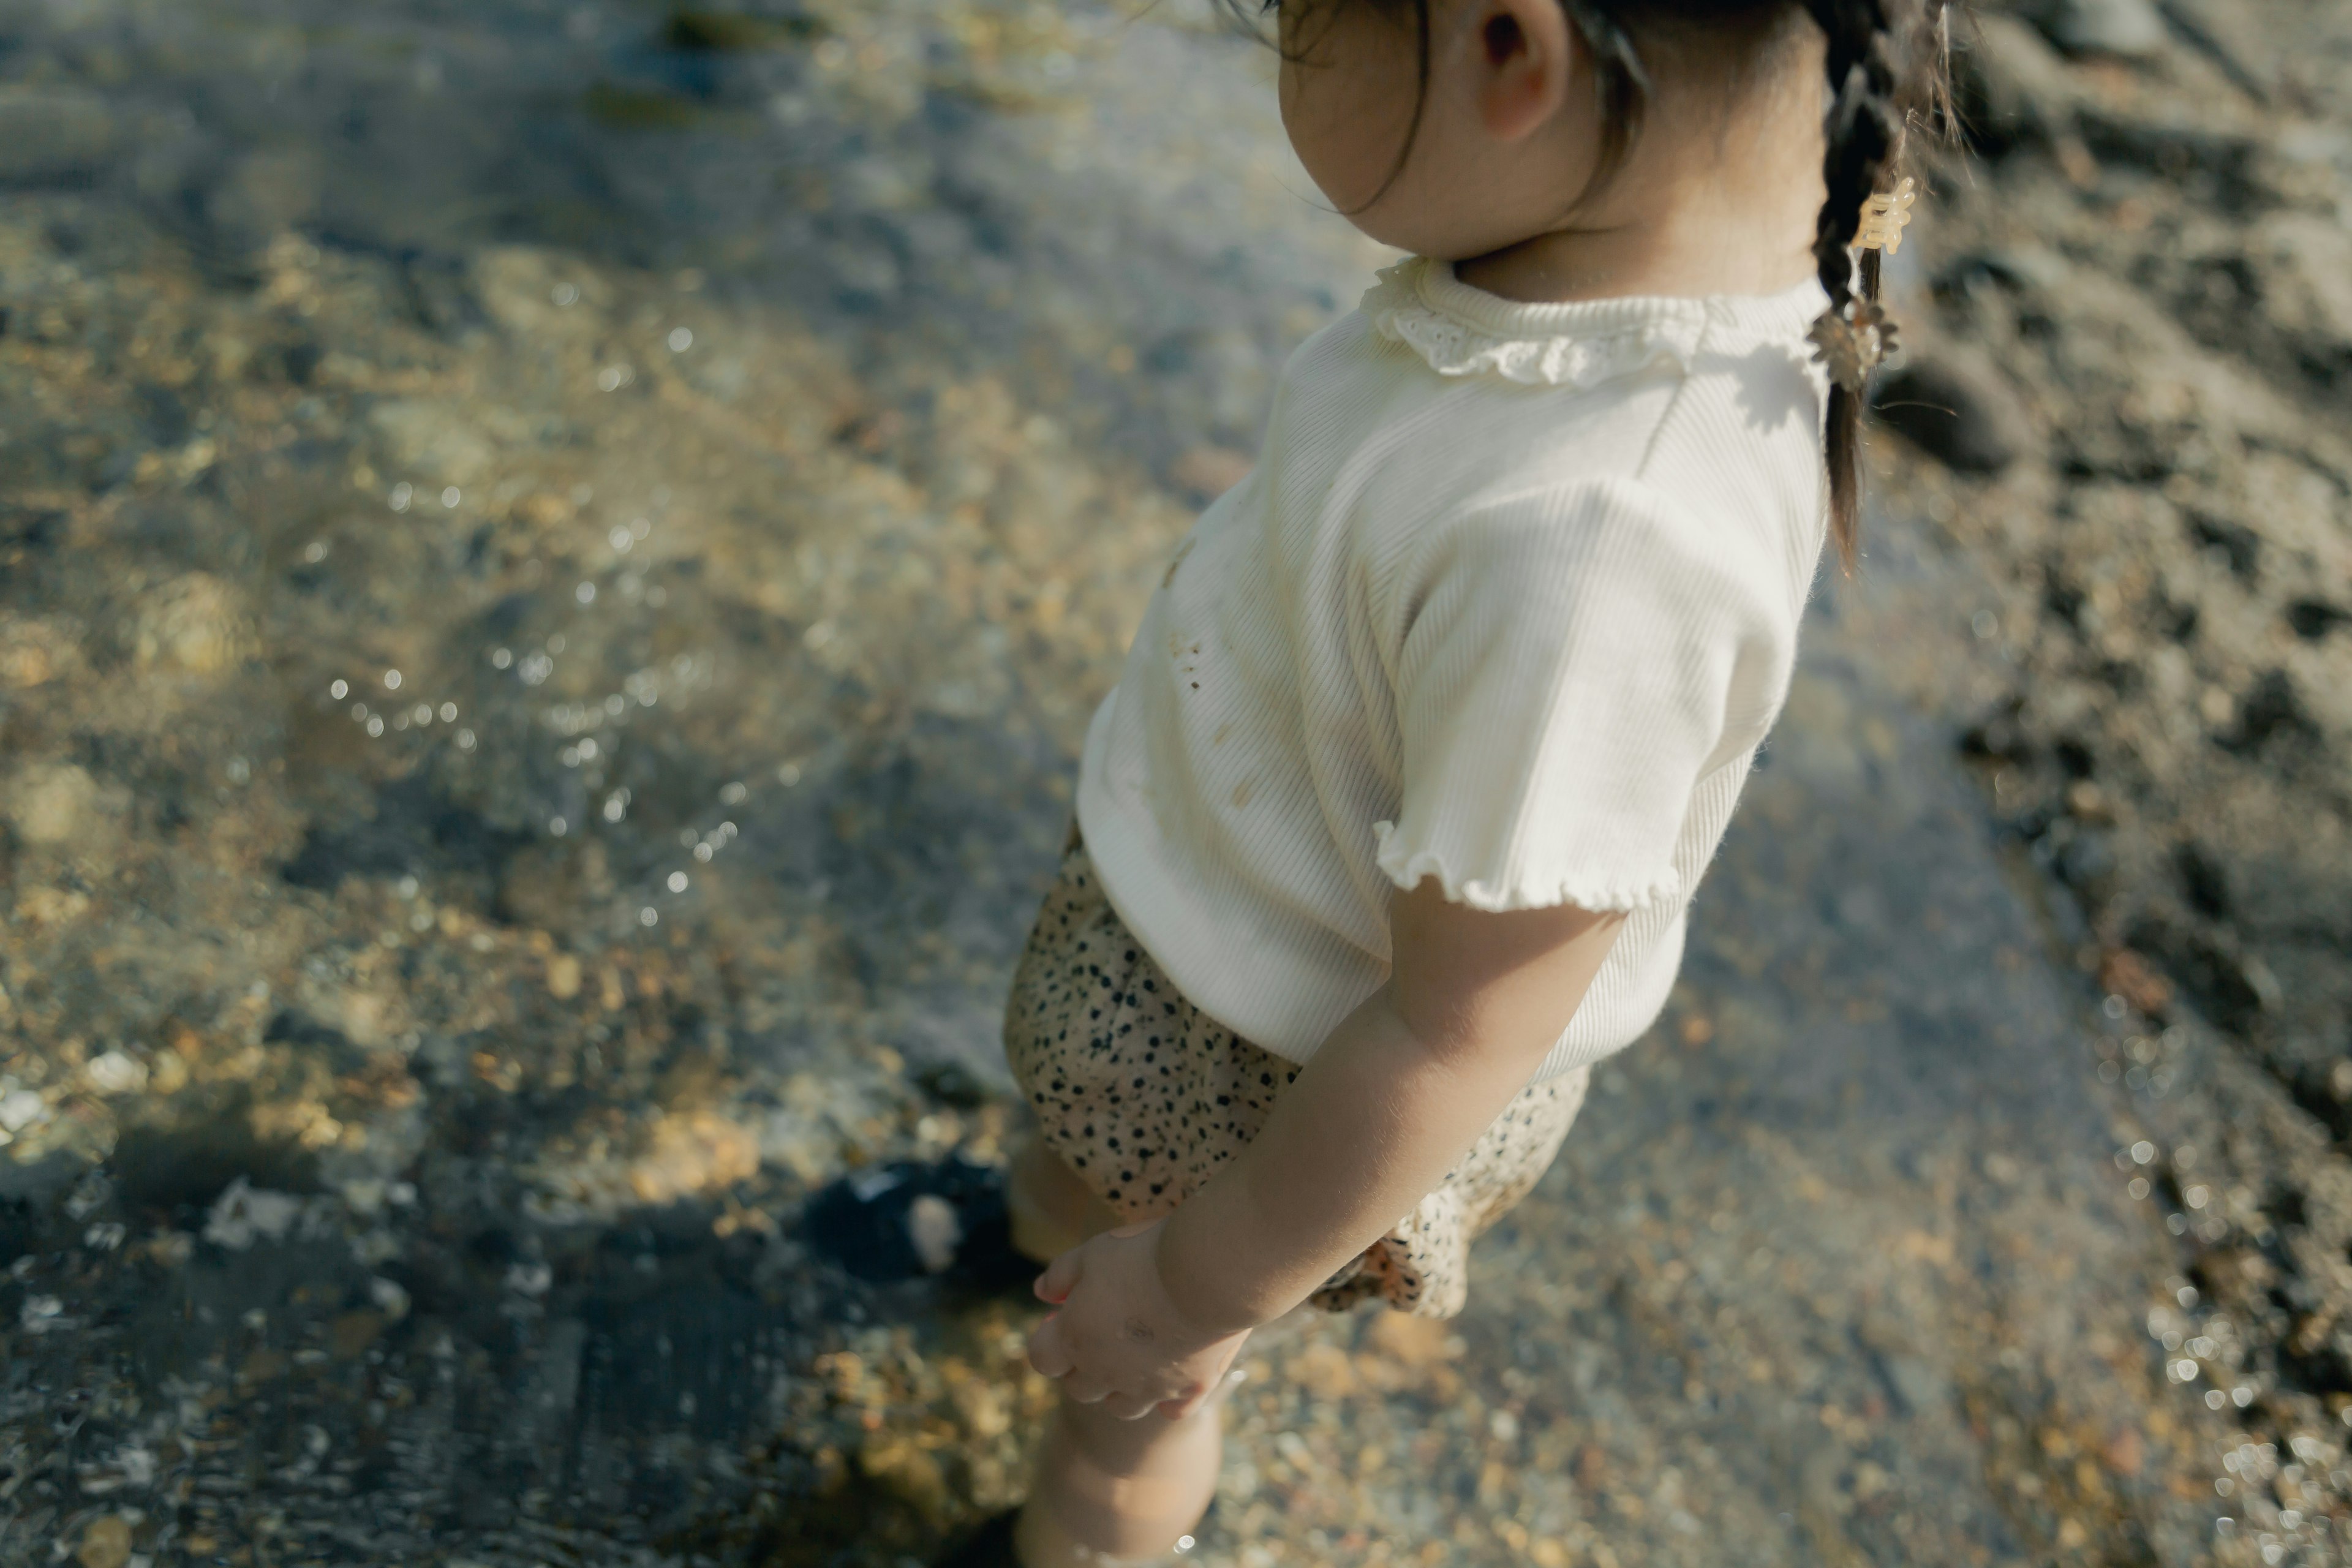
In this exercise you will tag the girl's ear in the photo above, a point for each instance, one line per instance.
(1523, 50)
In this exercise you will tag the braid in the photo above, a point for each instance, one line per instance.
(1861, 134)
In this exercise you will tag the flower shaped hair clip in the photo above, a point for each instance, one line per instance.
(1852, 342)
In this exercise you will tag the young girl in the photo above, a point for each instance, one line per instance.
(1388, 831)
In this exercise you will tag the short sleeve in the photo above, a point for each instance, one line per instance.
(1564, 673)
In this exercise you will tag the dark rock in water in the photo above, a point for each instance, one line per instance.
(728, 31)
(411, 815)
(907, 1220)
(953, 1083)
(1953, 403)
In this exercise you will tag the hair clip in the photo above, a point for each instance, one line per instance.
(1884, 215)
(1852, 342)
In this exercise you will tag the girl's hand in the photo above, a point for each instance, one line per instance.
(1118, 1339)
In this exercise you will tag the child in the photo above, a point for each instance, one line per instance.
(1388, 831)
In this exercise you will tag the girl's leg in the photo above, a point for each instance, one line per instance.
(1050, 1210)
(1109, 1490)
(1105, 1489)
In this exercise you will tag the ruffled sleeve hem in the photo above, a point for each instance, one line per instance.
(1525, 890)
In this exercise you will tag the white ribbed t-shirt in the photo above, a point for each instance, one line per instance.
(1509, 600)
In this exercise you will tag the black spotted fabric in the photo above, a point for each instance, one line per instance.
(1145, 1097)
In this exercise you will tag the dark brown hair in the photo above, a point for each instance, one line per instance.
(1884, 67)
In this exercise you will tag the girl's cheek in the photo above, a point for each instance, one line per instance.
(1309, 131)
(1325, 136)
(1286, 96)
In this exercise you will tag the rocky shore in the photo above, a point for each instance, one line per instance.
(2143, 285)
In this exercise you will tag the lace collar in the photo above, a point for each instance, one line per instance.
(1463, 331)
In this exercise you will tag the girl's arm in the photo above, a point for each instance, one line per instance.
(1397, 1095)
(1152, 1315)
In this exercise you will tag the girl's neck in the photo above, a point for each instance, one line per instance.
(1701, 206)
(1681, 252)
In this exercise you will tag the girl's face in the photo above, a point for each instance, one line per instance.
(1450, 186)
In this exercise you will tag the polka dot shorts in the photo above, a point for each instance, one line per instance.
(1145, 1097)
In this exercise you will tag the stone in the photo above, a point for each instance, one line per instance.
(115, 1072)
(934, 1231)
(1951, 401)
(692, 1152)
(800, 1142)
(391, 1297)
(20, 1108)
(911, 1472)
(51, 133)
(105, 1542)
(2137, 981)
(1414, 1341)
(245, 1213)
(431, 441)
(540, 509)
(53, 803)
(35, 652)
(2133, 29)
(530, 292)
(1325, 1370)
(564, 977)
(192, 625)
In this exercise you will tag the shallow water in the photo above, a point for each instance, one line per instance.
(553, 561)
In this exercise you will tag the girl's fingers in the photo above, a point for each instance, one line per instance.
(1127, 1408)
(1047, 1354)
(1184, 1403)
(1060, 1277)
